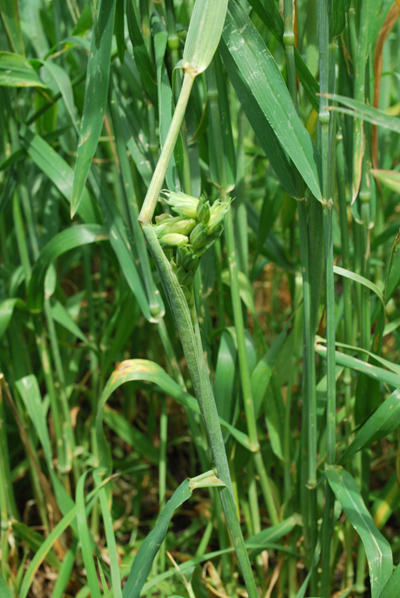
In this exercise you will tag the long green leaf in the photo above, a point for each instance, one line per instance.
(357, 365)
(269, 12)
(248, 60)
(377, 548)
(148, 550)
(365, 112)
(98, 74)
(361, 279)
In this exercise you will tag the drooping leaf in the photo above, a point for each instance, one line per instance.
(142, 369)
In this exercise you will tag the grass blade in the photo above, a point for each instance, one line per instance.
(365, 112)
(377, 548)
(148, 550)
(251, 66)
(95, 97)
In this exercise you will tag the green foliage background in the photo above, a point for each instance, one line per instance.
(297, 302)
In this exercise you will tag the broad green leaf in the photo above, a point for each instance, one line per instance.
(377, 548)
(263, 541)
(119, 29)
(389, 178)
(390, 365)
(28, 388)
(148, 550)
(368, 13)
(98, 73)
(142, 369)
(383, 421)
(204, 33)
(17, 71)
(55, 167)
(64, 575)
(156, 305)
(84, 22)
(261, 88)
(269, 12)
(10, 15)
(365, 112)
(72, 237)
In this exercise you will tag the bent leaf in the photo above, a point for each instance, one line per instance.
(144, 370)
(59, 244)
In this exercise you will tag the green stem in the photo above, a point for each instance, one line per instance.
(193, 351)
(155, 186)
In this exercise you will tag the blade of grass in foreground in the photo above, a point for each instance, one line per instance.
(151, 545)
(377, 548)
